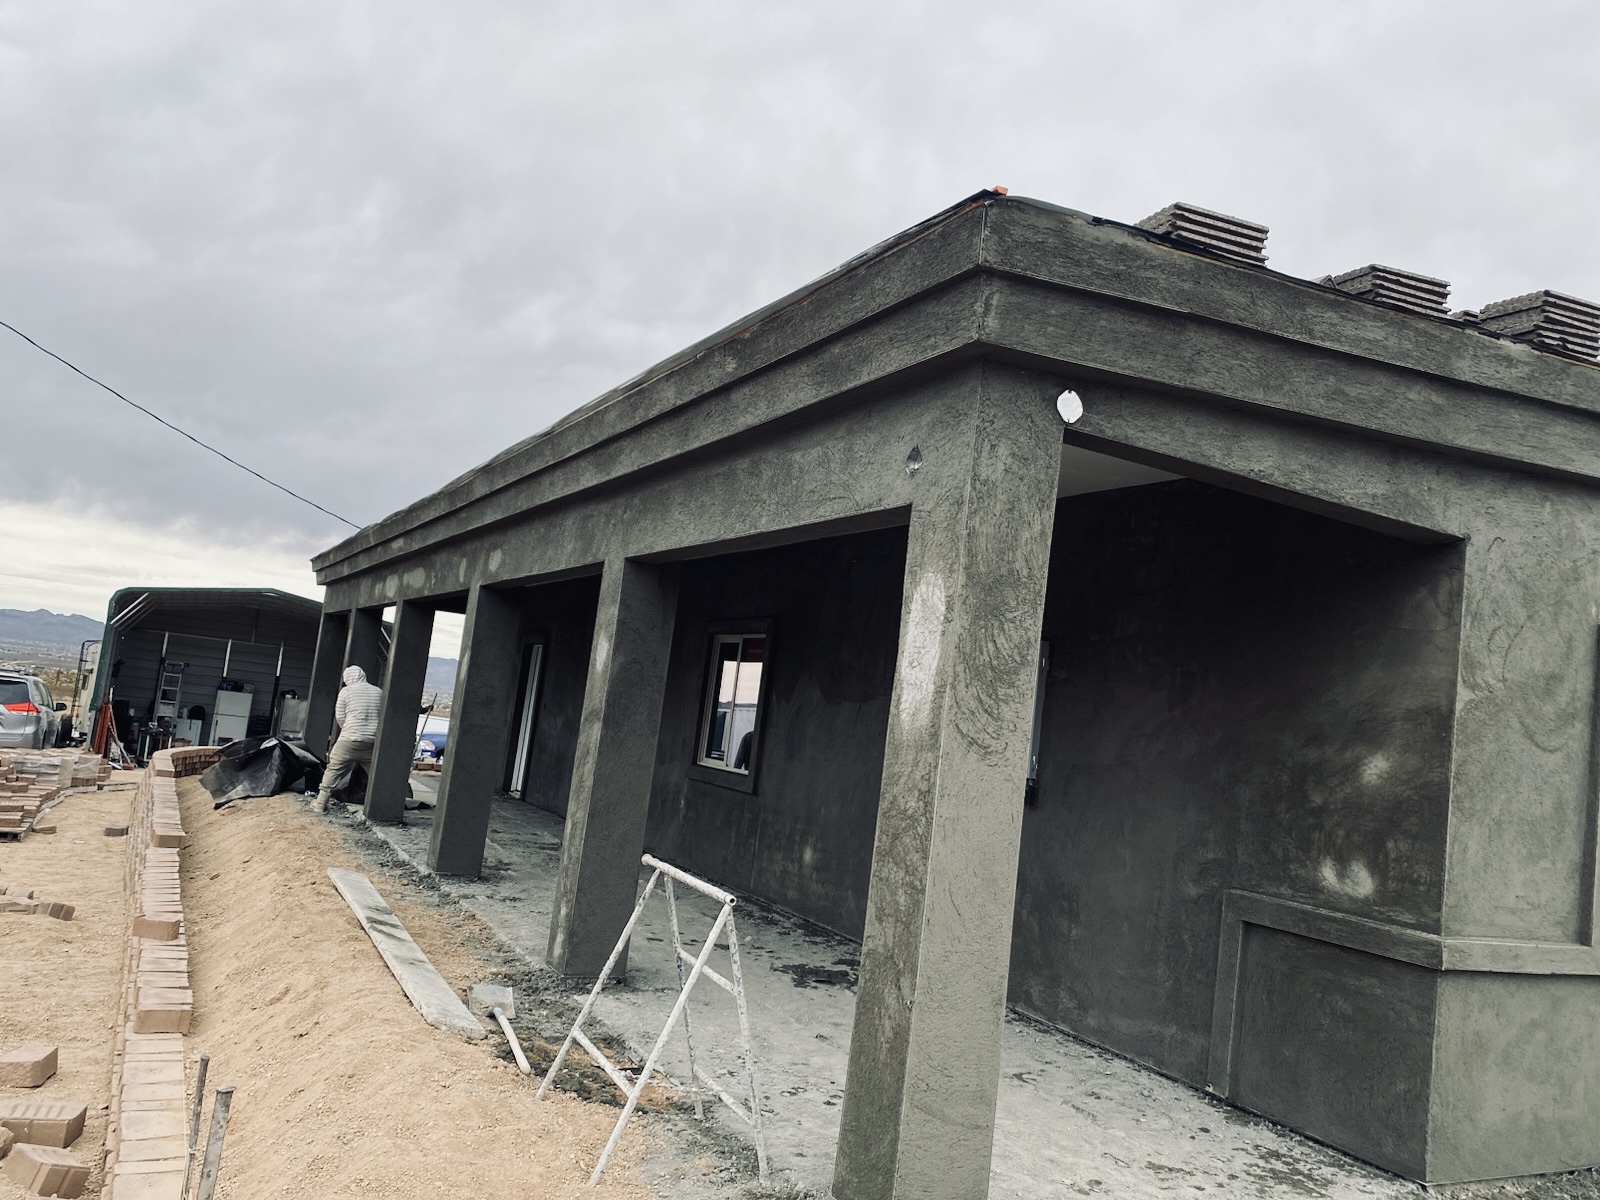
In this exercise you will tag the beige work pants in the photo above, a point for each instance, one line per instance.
(342, 760)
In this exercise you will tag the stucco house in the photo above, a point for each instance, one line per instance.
(1089, 619)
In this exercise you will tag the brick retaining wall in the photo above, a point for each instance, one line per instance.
(146, 1138)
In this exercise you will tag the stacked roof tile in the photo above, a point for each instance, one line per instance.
(1390, 285)
(1549, 319)
(1229, 236)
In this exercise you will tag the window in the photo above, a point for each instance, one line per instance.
(733, 702)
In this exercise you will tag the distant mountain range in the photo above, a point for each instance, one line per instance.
(441, 678)
(45, 630)
(42, 628)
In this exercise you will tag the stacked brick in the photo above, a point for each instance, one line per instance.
(145, 1141)
(166, 826)
(184, 761)
(30, 781)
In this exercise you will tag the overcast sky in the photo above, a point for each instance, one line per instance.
(362, 247)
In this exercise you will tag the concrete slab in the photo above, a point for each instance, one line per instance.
(434, 998)
(1072, 1119)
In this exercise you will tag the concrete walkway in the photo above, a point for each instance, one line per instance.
(1072, 1120)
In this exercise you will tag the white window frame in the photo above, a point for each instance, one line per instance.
(716, 770)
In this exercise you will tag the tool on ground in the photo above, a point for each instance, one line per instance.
(495, 1000)
(633, 1089)
(194, 1119)
(220, 1104)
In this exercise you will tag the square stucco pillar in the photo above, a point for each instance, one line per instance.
(918, 1114)
(480, 716)
(396, 743)
(613, 765)
(333, 635)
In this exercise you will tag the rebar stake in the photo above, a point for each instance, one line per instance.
(194, 1121)
(220, 1104)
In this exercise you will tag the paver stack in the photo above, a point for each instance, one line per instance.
(1552, 320)
(1231, 237)
(1391, 285)
(29, 781)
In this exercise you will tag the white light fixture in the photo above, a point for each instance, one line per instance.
(1069, 406)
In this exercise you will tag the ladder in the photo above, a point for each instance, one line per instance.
(169, 690)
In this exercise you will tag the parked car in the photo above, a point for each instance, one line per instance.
(430, 745)
(30, 718)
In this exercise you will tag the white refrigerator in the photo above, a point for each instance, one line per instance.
(231, 717)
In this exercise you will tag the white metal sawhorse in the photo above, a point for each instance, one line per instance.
(633, 1089)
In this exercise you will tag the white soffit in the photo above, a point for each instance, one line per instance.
(1085, 471)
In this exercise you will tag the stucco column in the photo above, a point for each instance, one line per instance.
(918, 1115)
(333, 635)
(480, 718)
(613, 765)
(396, 743)
(366, 634)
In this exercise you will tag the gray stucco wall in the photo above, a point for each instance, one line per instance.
(1337, 1043)
(1506, 1045)
(1241, 695)
(561, 615)
(803, 837)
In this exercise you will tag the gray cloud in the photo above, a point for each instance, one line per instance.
(363, 247)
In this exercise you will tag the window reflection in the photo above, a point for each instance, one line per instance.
(734, 697)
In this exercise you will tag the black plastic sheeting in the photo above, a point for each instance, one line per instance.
(260, 767)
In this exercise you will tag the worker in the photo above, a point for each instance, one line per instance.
(356, 714)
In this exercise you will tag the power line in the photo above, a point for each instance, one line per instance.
(161, 420)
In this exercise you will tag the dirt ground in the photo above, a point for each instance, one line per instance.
(60, 981)
(342, 1091)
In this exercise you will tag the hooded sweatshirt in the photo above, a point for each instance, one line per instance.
(358, 707)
